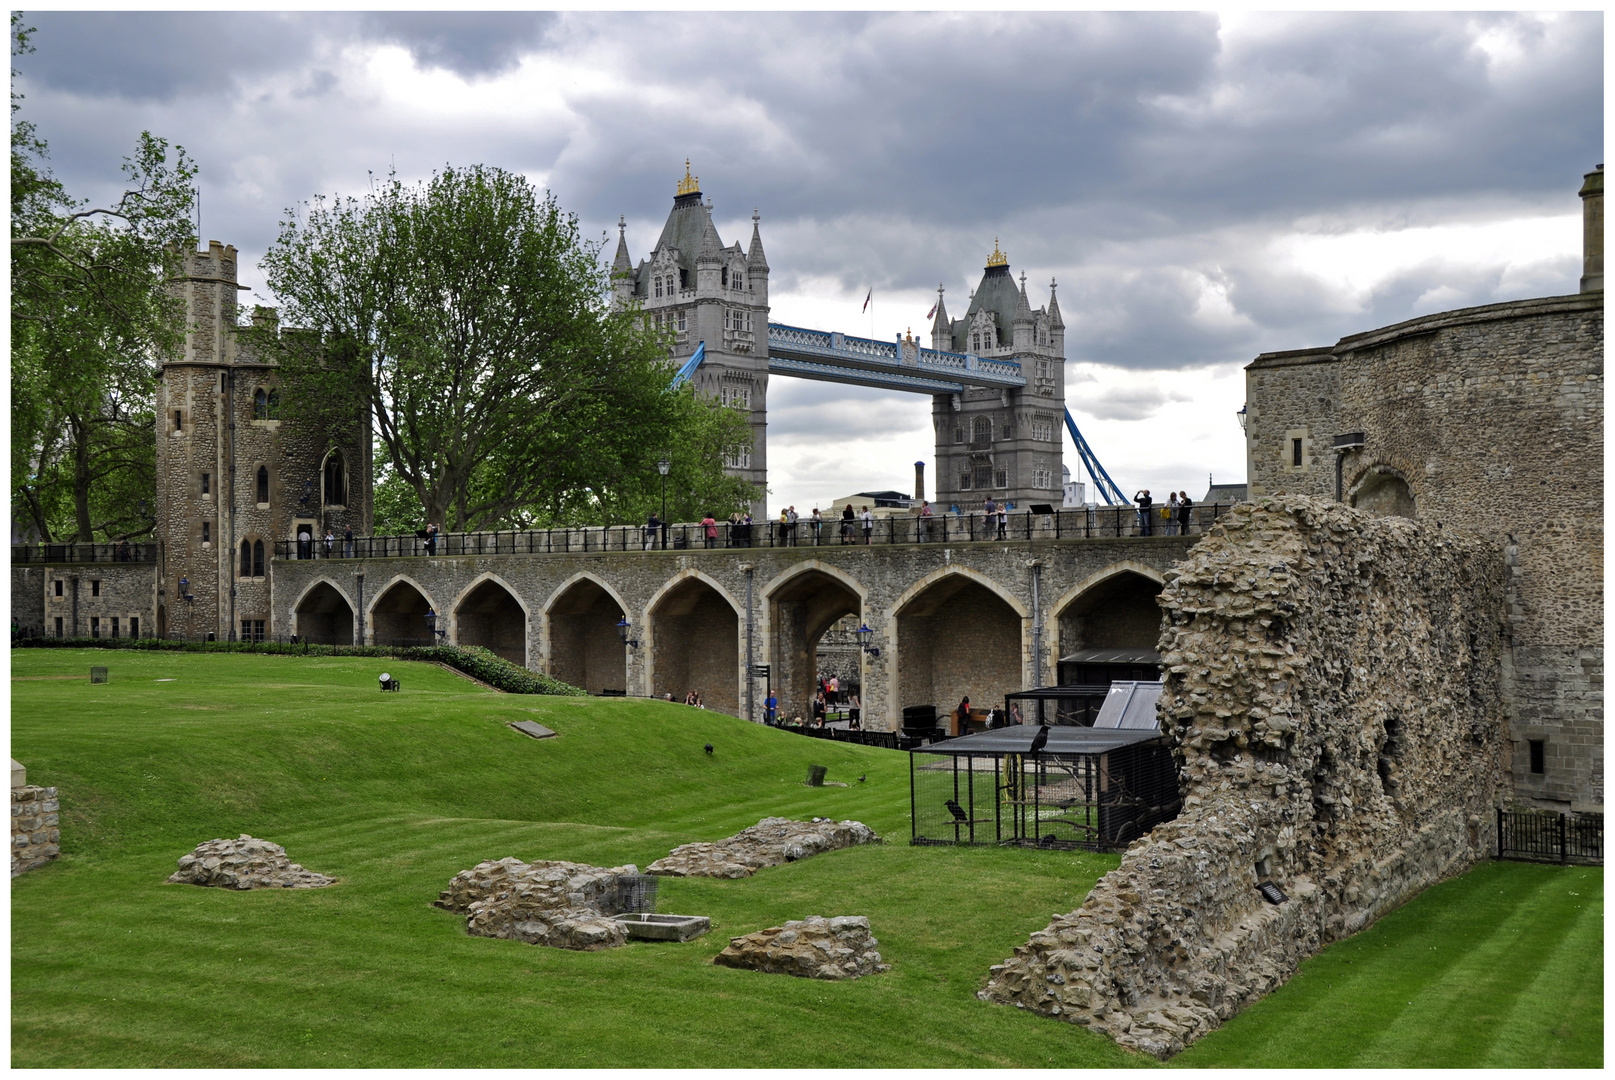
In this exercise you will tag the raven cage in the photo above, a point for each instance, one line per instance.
(1088, 789)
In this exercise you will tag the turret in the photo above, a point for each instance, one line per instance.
(622, 268)
(757, 263)
(709, 261)
(941, 328)
(1025, 322)
(1056, 323)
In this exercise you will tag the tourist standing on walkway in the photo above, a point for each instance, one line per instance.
(869, 524)
(709, 525)
(989, 516)
(1184, 506)
(818, 523)
(791, 518)
(1171, 513)
(1003, 521)
(1144, 506)
(347, 543)
(925, 521)
(855, 709)
(771, 708)
(431, 538)
(653, 525)
(846, 524)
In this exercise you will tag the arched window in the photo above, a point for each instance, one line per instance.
(982, 431)
(658, 286)
(336, 486)
(257, 558)
(246, 558)
(723, 277)
(263, 483)
(274, 405)
(260, 405)
(975, 342)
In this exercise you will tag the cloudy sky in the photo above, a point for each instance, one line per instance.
(1203, 187)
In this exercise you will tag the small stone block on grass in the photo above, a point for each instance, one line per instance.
(537, 731)
(810, 948)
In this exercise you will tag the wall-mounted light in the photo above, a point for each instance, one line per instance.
(431, 624)
(1242, 415)
(625, 630)
(864, 634)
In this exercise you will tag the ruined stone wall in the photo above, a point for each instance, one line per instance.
(1487, 420)
(1333, 694)
(36, 837)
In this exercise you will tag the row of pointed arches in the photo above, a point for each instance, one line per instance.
(952, 634)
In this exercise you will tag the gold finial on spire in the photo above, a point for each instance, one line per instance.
(998, 257)
(690, 185)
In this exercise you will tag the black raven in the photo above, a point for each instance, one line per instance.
(709, 749)
(1040, 739)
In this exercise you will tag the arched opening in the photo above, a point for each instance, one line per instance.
(800, 612)
(585, 649)
(695, 635)
(489, 616)
(1119, 612)
(1385, 492)
(399, 617)
(263, 484)
(260, 404)
(336, 480)
(957, 638)
(325, 617)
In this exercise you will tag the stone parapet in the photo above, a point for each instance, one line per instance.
(1333, 694)
(36, 836)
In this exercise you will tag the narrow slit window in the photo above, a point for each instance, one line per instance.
(1538, 756)
(1295, 453)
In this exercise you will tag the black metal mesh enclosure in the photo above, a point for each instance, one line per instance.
(636, 893)
(1095, 790)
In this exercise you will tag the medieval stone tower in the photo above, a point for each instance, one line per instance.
(696, 290)
(233, 477)
(1001, 444)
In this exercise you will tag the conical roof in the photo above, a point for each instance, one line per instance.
(622, 263)
(755, 259)
(1055, 322)
(997, 295)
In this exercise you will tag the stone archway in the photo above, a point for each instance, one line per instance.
(585, 649)
(800, 610)
(324, 616)
(957, 638)
(1117, 611)
(1384, 491)
(398, 617)
(695, 643)
(490, 615)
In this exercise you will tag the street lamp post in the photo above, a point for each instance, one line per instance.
(664, 466)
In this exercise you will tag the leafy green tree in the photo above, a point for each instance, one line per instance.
(476, 323)
(90, 312)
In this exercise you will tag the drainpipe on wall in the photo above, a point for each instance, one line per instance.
(1037, 627)
(751, 713)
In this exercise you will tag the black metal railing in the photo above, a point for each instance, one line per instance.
(1078, 523)
(121, 552)
(1529, 834)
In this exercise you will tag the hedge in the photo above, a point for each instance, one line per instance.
(473, 660)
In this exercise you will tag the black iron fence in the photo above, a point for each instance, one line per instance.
(1548, 835)
(1099, 522)
(122, 552)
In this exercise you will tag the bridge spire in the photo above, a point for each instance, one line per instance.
(755, 259)
(1055, 322)
(622, 263)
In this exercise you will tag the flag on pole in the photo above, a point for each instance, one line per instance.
(867, 298)
(932, 313)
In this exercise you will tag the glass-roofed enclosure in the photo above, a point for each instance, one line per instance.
(1096, 787)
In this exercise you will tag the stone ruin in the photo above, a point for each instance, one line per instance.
(810, 948)
(771, 842)
(564, 905)
(1332, 690)
(245, 863)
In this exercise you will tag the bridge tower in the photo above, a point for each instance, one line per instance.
(695, 289)
(1002, 444)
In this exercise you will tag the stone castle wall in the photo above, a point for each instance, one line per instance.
(1490, 420)
(1333, 693)
(36, 837)
(104, 590)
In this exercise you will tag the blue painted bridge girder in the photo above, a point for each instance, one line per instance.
(831, 356)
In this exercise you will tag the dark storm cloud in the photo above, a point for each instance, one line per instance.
(473, 44)
(1135, 156)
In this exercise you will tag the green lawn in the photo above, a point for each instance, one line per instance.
(394, 794)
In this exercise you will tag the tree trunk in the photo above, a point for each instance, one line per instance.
(81, 479)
